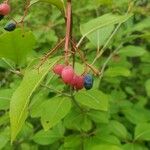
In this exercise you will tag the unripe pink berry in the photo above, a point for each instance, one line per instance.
(80, 83)
(74, 80)
(67, 74)
(77, 82)
(4, 9)
(58, 68)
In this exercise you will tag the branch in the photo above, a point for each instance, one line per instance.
(68, 30)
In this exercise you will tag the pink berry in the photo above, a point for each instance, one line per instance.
(58, 68)
(77, 82)
(74, 80)
(80, 83)
(4, 9)
(67, 74)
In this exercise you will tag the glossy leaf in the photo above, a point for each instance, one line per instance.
(48, 137)
(99, 29)
(134, 146)
(132, 51)
(117, 71)
(107, 147)
(53, 110)
(58, 3)
(21, 97)
(93, 99)
(4, 137)
(142, 132)
(118, 129)
(137, 115)
(16, 45)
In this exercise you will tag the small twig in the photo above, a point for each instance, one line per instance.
(95, 71)
(107, 60)
(55, 90)
(6, 1)
(25, 12)
(45, 57)
(68, 30)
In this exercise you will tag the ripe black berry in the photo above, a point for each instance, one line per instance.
(1, 17)
(10, 27)
(88, 81)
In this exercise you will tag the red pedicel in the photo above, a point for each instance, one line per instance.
(58, 68)
(67, 74)
(4, 9)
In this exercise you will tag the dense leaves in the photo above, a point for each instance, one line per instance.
(39, 111)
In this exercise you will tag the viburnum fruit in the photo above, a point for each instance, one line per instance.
(77, 82)
(58, 68)
(10, 27)
(88, 81)
(80, 83)
(67, 74)
(4, 9)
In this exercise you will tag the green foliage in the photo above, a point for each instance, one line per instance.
(58, 3)
(93, 99)
(99, 29)
(16, 45)
(48, 137)
(21, 97)
(38, 111)
(142, 132)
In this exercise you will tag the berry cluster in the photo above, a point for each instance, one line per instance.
(71, 78)
(5, 10)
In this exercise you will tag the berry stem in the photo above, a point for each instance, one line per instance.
(25, 12)
(45, 57)
(68, 30)
(6, 1)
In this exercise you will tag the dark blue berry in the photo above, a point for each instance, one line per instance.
(1, 17)
(10, 27)
(88, 81)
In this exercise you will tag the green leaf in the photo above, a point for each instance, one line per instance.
(94, 99)
(118, 129)
(72, 141)
(137, 115)
(99, 37)
(132, 51)
(58, 3)
(143, 24)
(106, 147)
(99, 29)
(142, 132)
(48, 137)
(107, 139)
(54, 110)
(117, 71)
(16, 45)
(76, 120)
(147, 87)
(36, 102)
(5, 96)
(4, 137)
(134, 146)
(21, 97)
(99, 116)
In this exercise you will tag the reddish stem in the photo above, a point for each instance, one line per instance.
(68, 30)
